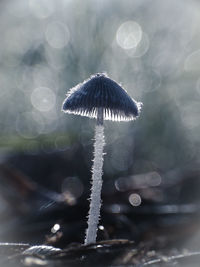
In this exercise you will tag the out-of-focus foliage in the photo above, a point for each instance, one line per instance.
(151, 47)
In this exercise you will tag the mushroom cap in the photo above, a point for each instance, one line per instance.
(99, 91)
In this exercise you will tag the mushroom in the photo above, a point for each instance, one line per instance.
(102, 98)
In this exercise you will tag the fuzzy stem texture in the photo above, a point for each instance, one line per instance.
(97, 171)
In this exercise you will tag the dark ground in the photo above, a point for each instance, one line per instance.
(35, 211)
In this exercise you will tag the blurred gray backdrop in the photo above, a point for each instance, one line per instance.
(151, 47)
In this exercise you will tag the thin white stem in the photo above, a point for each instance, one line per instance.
(97, 171)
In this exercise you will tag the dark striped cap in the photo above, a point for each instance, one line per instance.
(100, 91)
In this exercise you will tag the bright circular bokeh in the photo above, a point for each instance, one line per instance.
(135, 200)
(129, 35)
(57, 34)
(141, 49)
(43, 99)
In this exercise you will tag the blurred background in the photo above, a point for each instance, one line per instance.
(151, 168)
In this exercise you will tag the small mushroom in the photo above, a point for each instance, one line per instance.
(102, 98)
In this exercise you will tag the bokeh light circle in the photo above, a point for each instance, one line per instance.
(129, 34)
(43, 99)
(135, 200)
(27, 126)
(192, 61)
(141, 49)
(57, 34)
(72, 188)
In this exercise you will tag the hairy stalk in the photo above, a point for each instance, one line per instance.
(97, 171)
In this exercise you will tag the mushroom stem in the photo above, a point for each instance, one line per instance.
(100, 116)
(97, 171)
